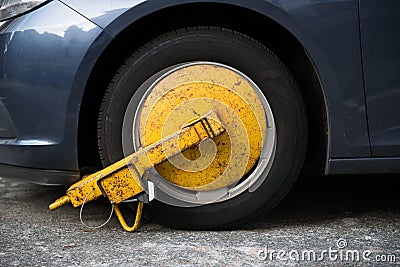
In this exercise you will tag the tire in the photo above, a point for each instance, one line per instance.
(257, 62)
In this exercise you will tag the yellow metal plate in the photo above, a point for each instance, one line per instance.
(194, 90)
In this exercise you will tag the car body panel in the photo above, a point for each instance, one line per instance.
(7, 128)
(380, 21)
(102, 13)
(40, 54)
(364, 165)
(328, 30)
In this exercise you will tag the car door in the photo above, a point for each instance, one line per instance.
(380, 43)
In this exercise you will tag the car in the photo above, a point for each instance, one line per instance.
(316, 84)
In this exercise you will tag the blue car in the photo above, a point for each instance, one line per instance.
(84, 83)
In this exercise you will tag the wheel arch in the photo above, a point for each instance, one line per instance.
(116, 44)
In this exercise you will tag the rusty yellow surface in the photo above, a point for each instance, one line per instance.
(194, 90)
(122, 180)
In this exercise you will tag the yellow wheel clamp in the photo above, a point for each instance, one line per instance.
(125, 179)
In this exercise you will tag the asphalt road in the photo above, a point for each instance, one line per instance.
(349, 220)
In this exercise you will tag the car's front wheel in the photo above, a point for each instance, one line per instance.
(184, 74)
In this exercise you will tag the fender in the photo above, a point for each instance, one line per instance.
(329, 34)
